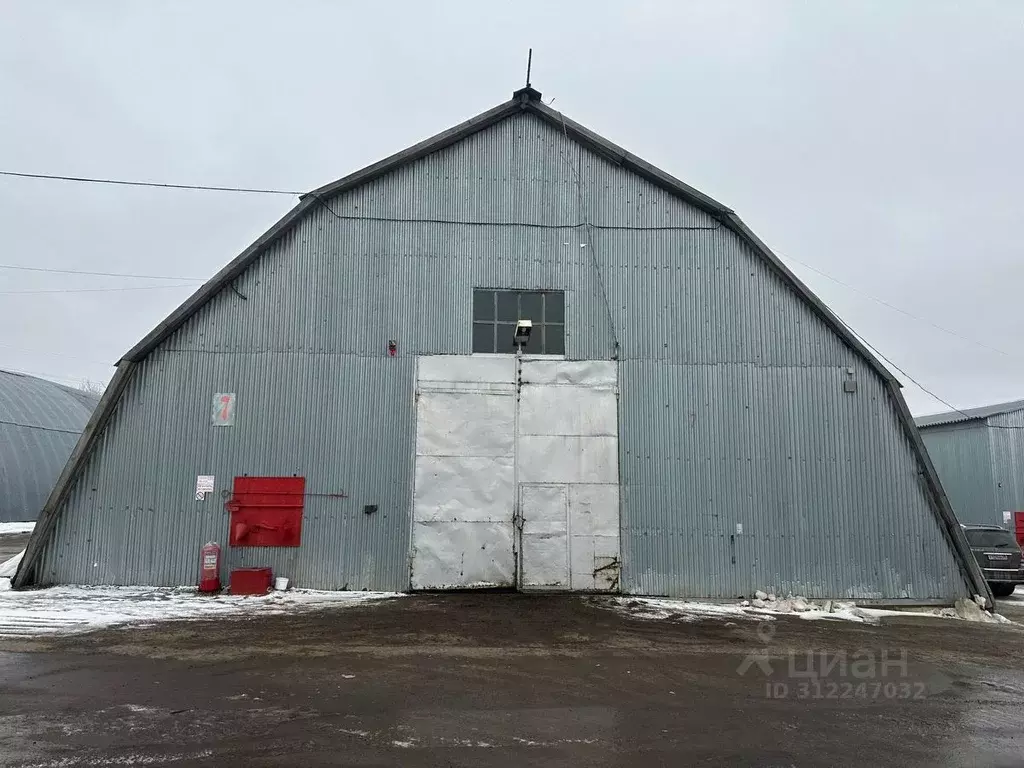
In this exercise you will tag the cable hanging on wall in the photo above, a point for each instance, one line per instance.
(584, 214)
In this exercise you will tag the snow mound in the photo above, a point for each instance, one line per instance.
(71, 610)
(968, 610)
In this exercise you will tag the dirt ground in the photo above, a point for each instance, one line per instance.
(514, 680)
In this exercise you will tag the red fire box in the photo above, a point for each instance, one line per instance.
(267, 511)
(251, 581)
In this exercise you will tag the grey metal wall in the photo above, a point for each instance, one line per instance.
(1006, 436)
(962, 455)
(732, 409)
(981, 465)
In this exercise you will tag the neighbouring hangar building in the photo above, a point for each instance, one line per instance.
(979, 455)
(40, 422)
(343, 401)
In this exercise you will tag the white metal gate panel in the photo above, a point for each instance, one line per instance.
(545, 539)
(479, 447)
(464, 493)
(568, 468)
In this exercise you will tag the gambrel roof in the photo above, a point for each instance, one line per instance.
(526, 100)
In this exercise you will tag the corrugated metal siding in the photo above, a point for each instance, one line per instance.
(962, 457)
(1006, 437)
(39, 425)
(822, 482)
(724, 371)
(344, 422)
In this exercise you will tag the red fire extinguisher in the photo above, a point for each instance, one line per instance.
(209, 567)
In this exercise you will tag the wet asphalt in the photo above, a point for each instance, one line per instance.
(514, 680)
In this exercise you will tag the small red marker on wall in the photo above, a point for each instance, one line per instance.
(392, 348)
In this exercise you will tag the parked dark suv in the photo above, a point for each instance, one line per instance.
(999, 556)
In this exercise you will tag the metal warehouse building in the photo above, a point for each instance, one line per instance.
(343, 401)
(979, 455)
(39, 425)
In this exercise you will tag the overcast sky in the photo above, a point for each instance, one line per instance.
(878, 142)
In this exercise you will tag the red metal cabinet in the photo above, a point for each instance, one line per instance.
(251, 581)
(267, 511)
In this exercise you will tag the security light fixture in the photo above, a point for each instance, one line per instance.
(522, 335)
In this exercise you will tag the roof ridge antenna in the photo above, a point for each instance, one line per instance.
(529, 66)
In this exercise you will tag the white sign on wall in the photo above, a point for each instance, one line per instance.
(1007, 516)
(204, 485)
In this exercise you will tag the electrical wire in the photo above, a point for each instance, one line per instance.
(345, 217)
(161, 185)
(53, 354)
(99, 274)
(585, 224)
(99, 290)
(588, 230)
(528, 225)
(893, 307)
(914, 381)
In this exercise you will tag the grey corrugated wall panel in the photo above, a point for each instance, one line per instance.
(704, 326)
(1006, 438)
(962, 455)
(39, 425)
(344, 422)
(825, 512)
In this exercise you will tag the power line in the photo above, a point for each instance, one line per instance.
(100, 274)
(161, 185)
(54, 354)
(915, 382)
(900, 310)
(524, 224)
(100, 290)
(576, 225)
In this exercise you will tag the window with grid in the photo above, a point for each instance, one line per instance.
(496, 312)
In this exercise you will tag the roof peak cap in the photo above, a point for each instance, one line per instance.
(524, 95)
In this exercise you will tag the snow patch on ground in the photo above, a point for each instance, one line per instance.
(71, 610)
(10, 567)
(767, 609)
(687, 610)
(14, 529)
(129, 760)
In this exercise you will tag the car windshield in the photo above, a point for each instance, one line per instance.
(995, 539)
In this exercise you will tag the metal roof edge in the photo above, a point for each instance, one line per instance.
(422, 149)
(944, 514)
(238, 265)
(737, 225)
(211, 287)
(725, 214)
(967, 415)
(619, 156)
(945, 420)
(48, 515)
